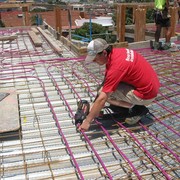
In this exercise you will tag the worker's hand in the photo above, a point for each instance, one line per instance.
(84, 126)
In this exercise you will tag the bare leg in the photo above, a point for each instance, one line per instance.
(168, 34)
(158, 32)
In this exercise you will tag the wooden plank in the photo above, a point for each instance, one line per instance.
(140, 24)
(36, 40)
(173, 12)
(121, 18)
(35, 30)
(51, 41)
(58, 20)
(9, 112)
(8, 38)
(121, 44)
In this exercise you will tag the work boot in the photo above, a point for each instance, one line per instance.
(136, 113)
(156, 46)
(166, 46)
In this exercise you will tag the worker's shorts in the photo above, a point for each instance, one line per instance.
(161, 18)
(124, 92)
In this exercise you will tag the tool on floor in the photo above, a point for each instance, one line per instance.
(82, 111)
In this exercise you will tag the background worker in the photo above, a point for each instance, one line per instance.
(177, 4)
(129, 81)
(162, 19)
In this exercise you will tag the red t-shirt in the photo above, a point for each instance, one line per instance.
(125, 65)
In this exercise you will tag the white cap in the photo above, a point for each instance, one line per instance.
(94, 47)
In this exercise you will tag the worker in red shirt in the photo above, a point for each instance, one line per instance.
(129, 81)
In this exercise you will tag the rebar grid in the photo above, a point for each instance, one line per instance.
(50, 147)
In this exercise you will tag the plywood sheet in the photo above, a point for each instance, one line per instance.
(9, 112)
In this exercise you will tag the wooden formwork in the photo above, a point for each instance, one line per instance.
(139, 18)
(58, 20)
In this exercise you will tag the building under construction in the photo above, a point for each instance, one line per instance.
(41, 81)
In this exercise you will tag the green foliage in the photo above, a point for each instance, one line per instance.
(59, 2)
(33, 20)
(85, 29)
(129, 16)
(56, 2)
(39, 10)
(50, 1)
(81, 32)
(96, 28)
(98, 31)
(150, 16)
